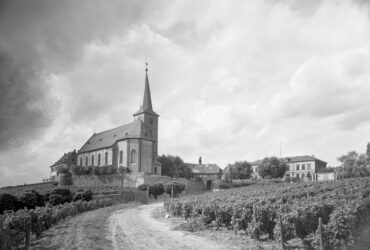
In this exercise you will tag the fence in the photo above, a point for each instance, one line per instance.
(127, 195)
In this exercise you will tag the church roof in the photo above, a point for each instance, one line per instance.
(108, 137)
(204, 168)
(147, 106)
(66, 158)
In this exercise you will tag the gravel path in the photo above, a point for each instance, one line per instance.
(135, 228)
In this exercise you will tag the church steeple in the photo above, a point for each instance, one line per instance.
(147, 106)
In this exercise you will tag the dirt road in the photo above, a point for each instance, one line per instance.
(135, 228)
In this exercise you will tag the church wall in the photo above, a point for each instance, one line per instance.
(133, 144)
(146, 156)
(122, 146)
(95, 154)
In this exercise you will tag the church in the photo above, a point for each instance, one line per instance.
(133, 145)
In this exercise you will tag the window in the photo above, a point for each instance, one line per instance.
(121, 156)
(106, 158)
(151, 121)
(302, 176)
(86, 161)
(297, 166)
(303, 167)
(133, 156)
(287, 175)
(155, 170)
(309, 166)
(99, 159)
(297, 175)
(80, 161)
(92, 160)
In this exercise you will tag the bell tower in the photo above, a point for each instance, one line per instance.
(149, 118)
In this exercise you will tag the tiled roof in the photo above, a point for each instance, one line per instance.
(109, 137)
(302, 158)
(65, 158)
(204, 168)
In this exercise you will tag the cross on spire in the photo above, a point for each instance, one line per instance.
(146, 66)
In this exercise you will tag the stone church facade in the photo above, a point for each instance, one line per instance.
(133, 145)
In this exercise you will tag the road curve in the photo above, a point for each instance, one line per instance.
(135, 228)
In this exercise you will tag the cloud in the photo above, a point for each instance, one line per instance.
(334, 87)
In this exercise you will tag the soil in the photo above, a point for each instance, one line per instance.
(86, 231)
(136, 228)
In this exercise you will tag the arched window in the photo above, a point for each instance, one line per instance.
(86, 161)
(99, 159)
(121, 156)
(80, 161)
(106, 158)
(133, 156)
(155, 170)
(92, 160)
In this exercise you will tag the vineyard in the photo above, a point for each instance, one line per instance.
(284, 211)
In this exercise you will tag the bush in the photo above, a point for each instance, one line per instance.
(177, 188)
(62, 171)
(142, 187)
(83, 195)
(224, 185)
(60, 196)
(8, 202)
(156, 189)
(31, 199)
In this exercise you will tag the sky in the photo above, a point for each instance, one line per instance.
(231, 80)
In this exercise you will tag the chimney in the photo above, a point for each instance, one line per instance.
(200, 160)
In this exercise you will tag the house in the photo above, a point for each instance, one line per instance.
(133, 146)
(304, 167)
(67, 161)
(208, 173)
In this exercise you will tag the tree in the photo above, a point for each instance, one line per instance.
(175, 187)
(272, 167)
(348, 160)
(368, 153)
(240, 170)
(156, 189)
(353, 165)
(174, 166)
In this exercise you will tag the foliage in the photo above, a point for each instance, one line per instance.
(240, 170)
(62, 171)
(16, 224)
(353, 165)
(174, 166)
(60, 196)
(342, 205)
(142, 187)
(31, 199)
(83, 195)
(272, 167)
(8, 202)
(175, 187)
(156, 189)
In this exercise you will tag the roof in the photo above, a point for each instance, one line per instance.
(147, 106)
(108, 137)
(302, 158)
(65, 158)
(254, 163)
(204, 168)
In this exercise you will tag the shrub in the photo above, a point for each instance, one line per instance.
(156, 189)
(31, 199)
(8, 202)
(224, 185)
(60, 196)
(142, 187)
(62, 171)
(83, 195)
(177, 188)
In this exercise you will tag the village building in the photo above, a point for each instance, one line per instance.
(67, 161)
(304, 167)
(208, 173)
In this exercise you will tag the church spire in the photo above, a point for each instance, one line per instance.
(147, 101)
(147, 106)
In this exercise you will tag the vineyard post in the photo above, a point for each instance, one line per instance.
(3, 244)
(147, 195)
(38, 233)
(281, 233)
(28, 233)
(172, 191)
(321, 242)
